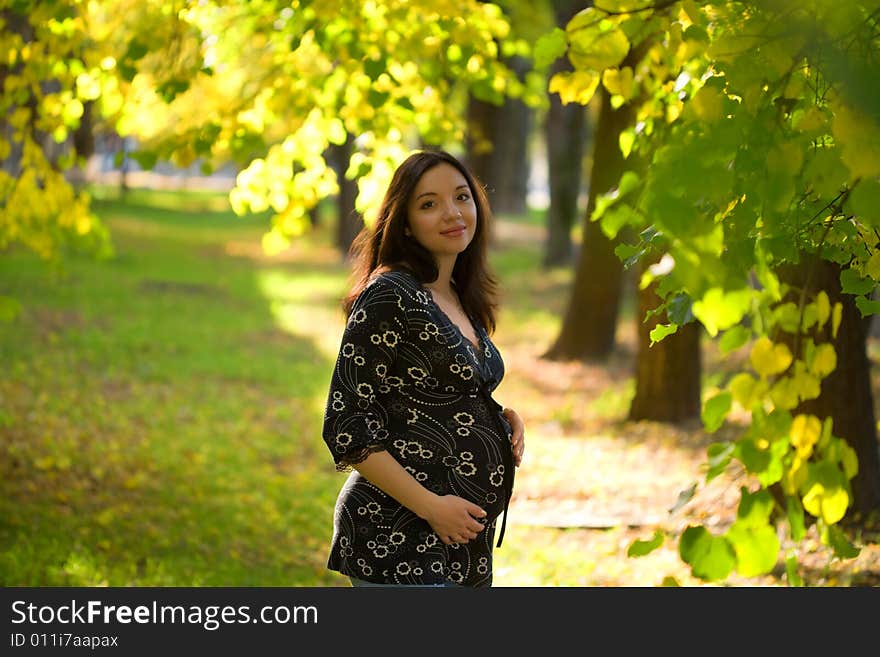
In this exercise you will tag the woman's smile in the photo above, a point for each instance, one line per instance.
(458, 231)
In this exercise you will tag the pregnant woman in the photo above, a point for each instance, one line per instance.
(410, 411)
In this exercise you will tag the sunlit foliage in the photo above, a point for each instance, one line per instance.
(265, 85)
(759, 124)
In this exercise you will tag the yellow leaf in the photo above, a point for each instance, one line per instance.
(693, 12)
(828, 503)
(805, 432)
(768, 359)
(795, 476)
(849, 460)
(872, 267)
(824, 361)
(823, 308)
(595, 46)
(859, 138)
(836, 317)
(618, 81)
(742, 386)
(806, 385)
(274, 242)
(574, 86)
(784, 394)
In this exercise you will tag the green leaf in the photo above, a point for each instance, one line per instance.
(851, 282)
(616, 218)
(629, 182)
(146, 159)
(788, 316)
(791, 571)
(794, 578)
(756, 548)
(867, 307)
(754, 508)
(170, 88)
(639, 548)
(377, 98)
(826, 173)
(661, 331)
(794, 511)
(755, 459)
(696, 33)
(375, 67)
(628, 254)
(711, 558)
(549, 47)
(718, 457)
(864, 201)
(734, 338)
(715, 410)
(718, 310)
(843, 548)
(679, 309)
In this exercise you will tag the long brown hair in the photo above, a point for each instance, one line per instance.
(385, 246)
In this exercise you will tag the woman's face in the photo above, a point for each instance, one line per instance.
(442, 212)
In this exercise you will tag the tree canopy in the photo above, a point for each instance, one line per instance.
(761, 125)
(266, 86)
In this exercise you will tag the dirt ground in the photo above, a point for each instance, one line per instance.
(608, 482)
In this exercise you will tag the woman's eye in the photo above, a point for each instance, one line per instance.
(464, 197)
(427, 204)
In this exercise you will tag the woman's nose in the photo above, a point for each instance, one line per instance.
(451, 211)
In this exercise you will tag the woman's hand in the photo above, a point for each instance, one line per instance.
(455, 519)
(518, 438)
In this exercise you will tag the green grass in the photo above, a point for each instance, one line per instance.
(160, 411)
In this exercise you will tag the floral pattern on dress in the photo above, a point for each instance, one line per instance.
(408, 382)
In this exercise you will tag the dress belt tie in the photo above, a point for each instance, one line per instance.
(508, 462)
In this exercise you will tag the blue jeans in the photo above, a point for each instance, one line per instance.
(355, 582)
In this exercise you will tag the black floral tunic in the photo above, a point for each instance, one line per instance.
(407, 381)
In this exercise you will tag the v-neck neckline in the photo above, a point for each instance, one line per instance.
(479, 344)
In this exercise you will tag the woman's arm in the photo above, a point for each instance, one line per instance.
(453, 518)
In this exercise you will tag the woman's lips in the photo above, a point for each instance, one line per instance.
(455, 232)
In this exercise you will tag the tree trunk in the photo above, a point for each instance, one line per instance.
(497, 148)
(349, 222)
(590, 322)
(15, 23)
(565, 132)
(846, 394)
(668, 374)
(510, 155)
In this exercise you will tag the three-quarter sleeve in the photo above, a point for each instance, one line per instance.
(355, 420)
